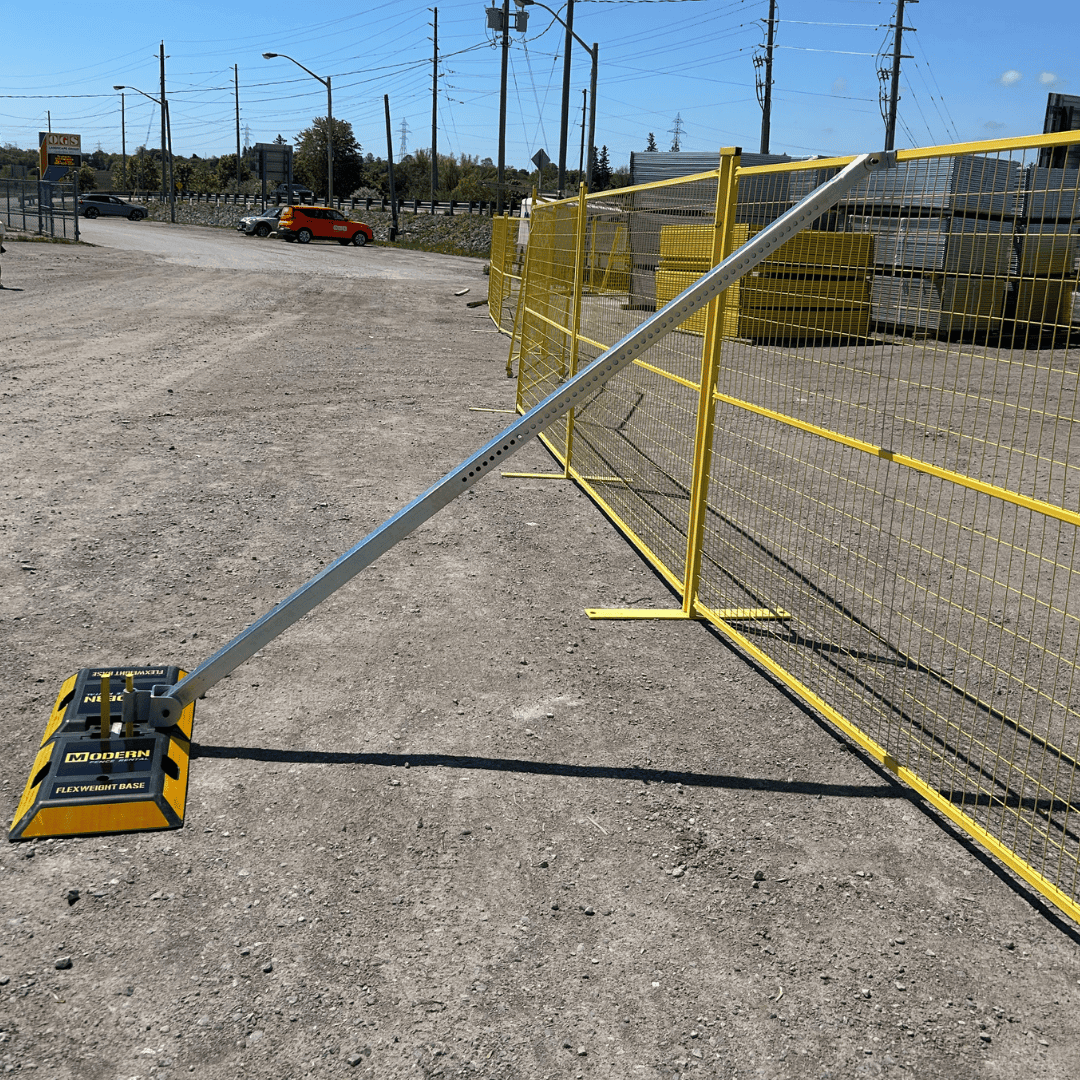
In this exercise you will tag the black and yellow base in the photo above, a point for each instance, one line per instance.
(91, 777)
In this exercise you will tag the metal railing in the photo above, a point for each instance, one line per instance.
(862, 464)
(445, 208)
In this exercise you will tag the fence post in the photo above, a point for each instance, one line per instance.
(723, 243)
(575, 321)
(517, 330)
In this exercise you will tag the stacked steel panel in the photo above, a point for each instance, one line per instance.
(816, 286)
(945, 236)
(762, 199)
(685, 255)
(1046, 291)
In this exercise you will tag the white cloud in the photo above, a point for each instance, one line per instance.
(994, 125)
(839, 87)
(1049, 79)
(1010, 77)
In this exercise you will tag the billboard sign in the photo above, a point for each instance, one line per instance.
(58, 154)
(275, 162)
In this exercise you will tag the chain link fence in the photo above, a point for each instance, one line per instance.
(39, 207)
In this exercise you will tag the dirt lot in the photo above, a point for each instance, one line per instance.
(444, 826)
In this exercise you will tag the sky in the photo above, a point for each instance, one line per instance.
(978, 70)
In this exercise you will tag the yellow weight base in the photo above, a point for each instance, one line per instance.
(82, 784)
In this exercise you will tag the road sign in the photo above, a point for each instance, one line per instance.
(540, 159)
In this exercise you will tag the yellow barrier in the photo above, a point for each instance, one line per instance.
(504, 272)
(863, 462)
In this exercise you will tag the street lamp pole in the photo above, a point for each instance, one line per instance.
(594, 55)
(166, 145)
(329, 122)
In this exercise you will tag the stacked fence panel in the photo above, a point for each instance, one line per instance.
(890, 501)
(1046, 296)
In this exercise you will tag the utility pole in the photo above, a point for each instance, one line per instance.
(435, 109)
(236, 87)
(894, 87)
(48, 115)
(765, 90)
(581, 153)
(403, 145)
(123, 141)
(564, 120)
(161, 57)
(390, 170)
(502, 107)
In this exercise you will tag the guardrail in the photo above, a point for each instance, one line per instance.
(449, 208)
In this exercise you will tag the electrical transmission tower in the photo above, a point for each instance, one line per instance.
(676, 133)
(403, 146)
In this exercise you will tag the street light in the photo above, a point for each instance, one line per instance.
(164, 105)
(594, 54)
(329, 123)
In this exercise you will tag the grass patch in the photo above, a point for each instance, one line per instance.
(24, 239)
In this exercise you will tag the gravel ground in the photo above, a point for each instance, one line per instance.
(444, 826)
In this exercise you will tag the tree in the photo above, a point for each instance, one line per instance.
(602, 169)
(309, 160)
(87, 179)
(142, 172)
(183, 173)
(650, 146)
(225, 174)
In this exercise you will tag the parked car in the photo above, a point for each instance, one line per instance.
(260, 223)
(93, 204)
(300, 194)
(306, 223)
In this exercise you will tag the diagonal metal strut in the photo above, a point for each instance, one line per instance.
(494, 454)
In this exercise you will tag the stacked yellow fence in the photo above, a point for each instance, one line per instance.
(864, 465)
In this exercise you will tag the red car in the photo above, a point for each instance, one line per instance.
(306, 223)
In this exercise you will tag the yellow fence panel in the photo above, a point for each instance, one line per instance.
(862, 462)
(504, 271)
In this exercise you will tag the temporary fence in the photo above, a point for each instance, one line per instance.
(39, 207)
(859, 463)
(504, 269)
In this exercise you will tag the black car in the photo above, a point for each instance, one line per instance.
(95, 204)
(300, 194)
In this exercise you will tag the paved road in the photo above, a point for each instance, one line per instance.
(226, 249)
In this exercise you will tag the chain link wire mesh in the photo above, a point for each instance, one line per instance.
(504, 271)
(45, 209)
(887, 477)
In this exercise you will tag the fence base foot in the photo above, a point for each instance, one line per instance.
(638, 613)
(563, 476)
(726, 614)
